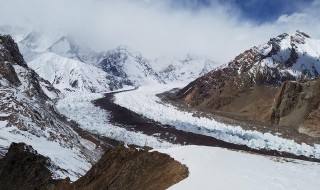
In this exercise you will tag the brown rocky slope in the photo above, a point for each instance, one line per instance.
(272, 84)
(119, 168)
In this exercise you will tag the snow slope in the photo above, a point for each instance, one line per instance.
(184, 70)
(70, 74)
(70, 160)
(223, 169)
(145, 102)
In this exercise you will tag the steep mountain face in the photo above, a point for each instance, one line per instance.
(28, 114)
(127, 67)
(247, 85)
(69, 74)
(297, 104)
(63, 63)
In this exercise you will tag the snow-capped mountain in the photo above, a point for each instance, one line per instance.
(67, 47)
(69, 74)
(293, 56)
(32, 40)
(28, 115)
(187, 69)
(128, 67)
(67, 64)
(253, 85)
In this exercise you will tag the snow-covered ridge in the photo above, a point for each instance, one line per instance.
(145, 102)
(67, 47)
(28, 115)
(69, 74)
(296, 54)
(123, 66)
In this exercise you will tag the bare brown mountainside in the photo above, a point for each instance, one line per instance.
(274, 83)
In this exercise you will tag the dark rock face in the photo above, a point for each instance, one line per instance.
(23, 169)
(13, 54)
(10, 56)
(120, 168)
(286, 100)
(131, 168)
(7, 71)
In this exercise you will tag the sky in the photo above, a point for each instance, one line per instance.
(217, 29)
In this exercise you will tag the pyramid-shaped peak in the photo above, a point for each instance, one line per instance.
(67, 41)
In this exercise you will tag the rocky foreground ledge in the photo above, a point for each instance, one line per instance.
(119, 168)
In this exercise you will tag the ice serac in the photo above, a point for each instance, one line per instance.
(248, 85)
(28, 114)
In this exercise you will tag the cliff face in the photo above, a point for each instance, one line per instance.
(22, 168)
(119, 168)
(310, 122)
(264, 84)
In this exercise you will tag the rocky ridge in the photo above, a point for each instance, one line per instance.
(28, 114)
(119, 168)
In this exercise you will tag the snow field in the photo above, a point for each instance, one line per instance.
(223, 169)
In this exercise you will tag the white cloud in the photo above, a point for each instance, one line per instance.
(154, 27)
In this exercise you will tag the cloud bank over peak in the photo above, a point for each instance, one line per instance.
(158, 28)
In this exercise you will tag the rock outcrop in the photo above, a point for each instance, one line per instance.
(23, 168)
(119, 168)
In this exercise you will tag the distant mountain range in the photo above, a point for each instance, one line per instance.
(73, 67)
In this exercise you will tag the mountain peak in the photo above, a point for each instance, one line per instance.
(67, 47)
(31, 40)
(64, 44)
(302, 34)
